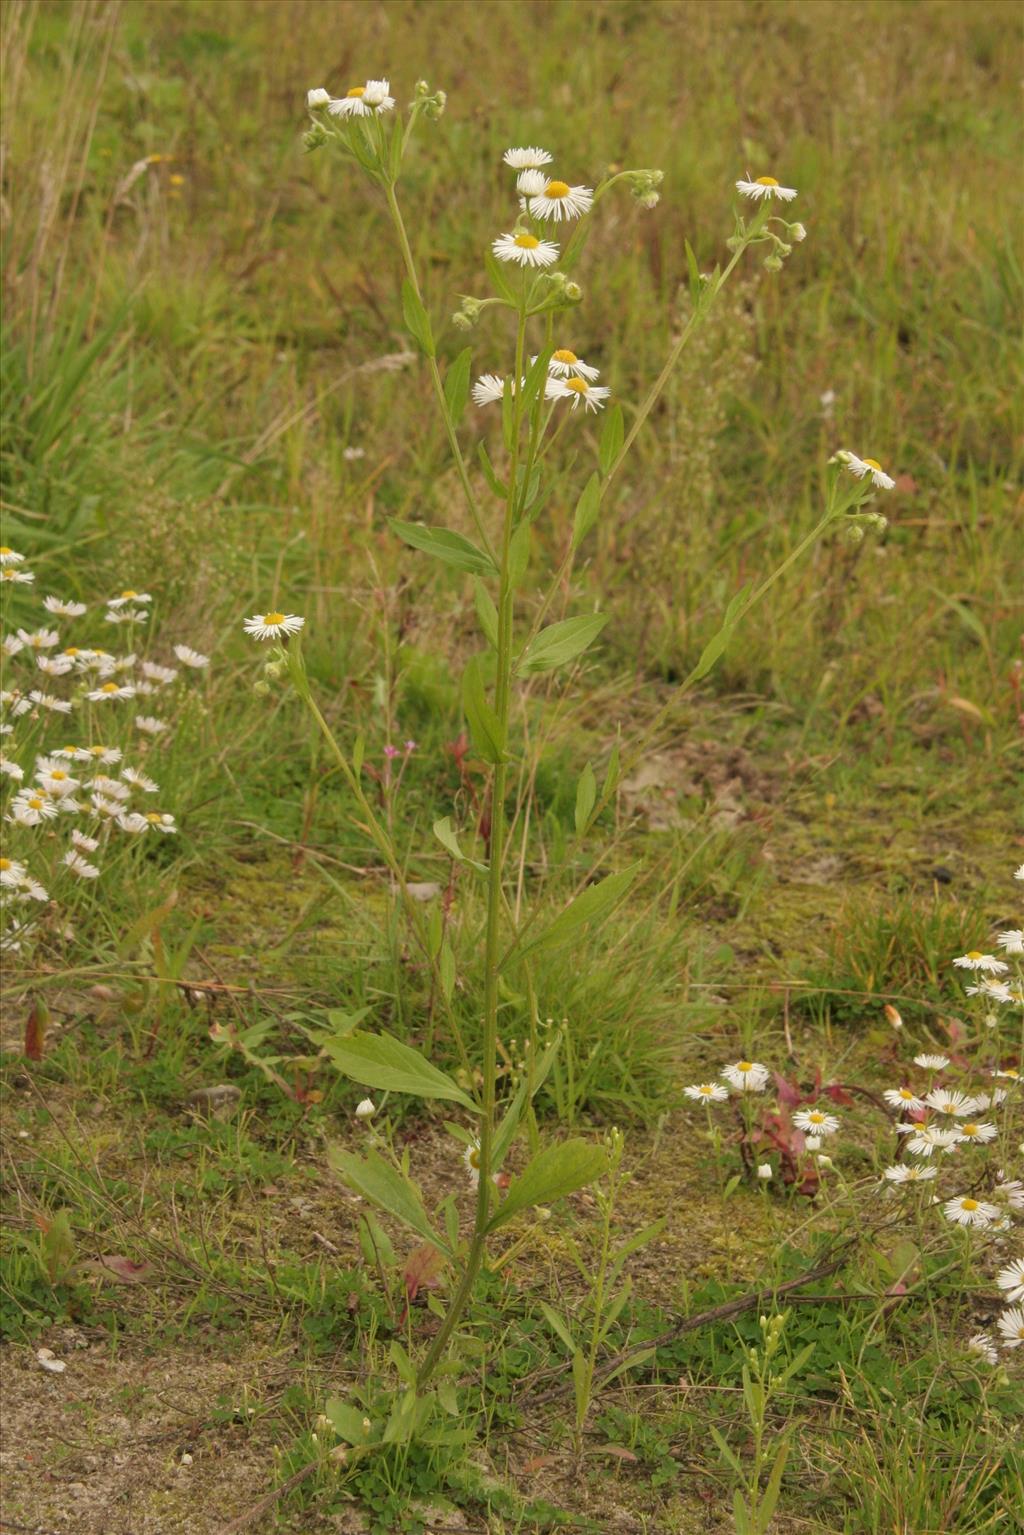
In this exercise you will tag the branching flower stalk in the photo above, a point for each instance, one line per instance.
(543, 397)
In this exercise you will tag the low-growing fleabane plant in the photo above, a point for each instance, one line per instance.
(526, 370)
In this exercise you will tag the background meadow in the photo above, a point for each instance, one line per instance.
(208, 395)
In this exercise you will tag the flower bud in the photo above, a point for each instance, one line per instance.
(366, 1109)
(764, 1171)
(317, 98)
(315, 138)
(773, 263)
(461, 321)
(573, 292)
(797, 232)
(649, 200)
(261, 689)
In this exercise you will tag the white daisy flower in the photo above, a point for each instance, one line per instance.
(11, 872)
(363, 100)
(1009, 1074)
(139, 780)
(862, 466)
(132, 822)
(83, 843)
(15, 577)
(189, 657)
(902, 1098)
(976, 1130)
(817, 1123)
(9, 556)
(54, 666)
(39, 639)
(561, 201)
(525, 249)
(531, 183)
(107, 809)
(57, 780)
(975, 960)
(1011, 942)
(29, 808)
(270, 626)
(904, 1172)
(996, 991)
(128, 596)
(125, 615)
(520, 160)
(106, 756)
(161, 674)
(708, 1092)
(61, 609)
(11, 645)
(162, 822)
(565, 364)
(107, 692)
(765, 186)
(111, 788)
(31, 890)
(471, 1157)
(932, 1062)
(576, 389)
(11, 769)
(47, 701)
(747, 1076)
(965, 1211)
(318, 97)
(1011, 1279)
(990, 1100)
(924, 1140)
(79, 865)
(982, 1344)
(150, 725)
(946, 1101)
(1010, 1189)
(1011, 1327)
(488, 389)
(1018, 873)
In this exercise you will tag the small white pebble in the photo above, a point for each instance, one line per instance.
(186, 1459)
(49, 1362)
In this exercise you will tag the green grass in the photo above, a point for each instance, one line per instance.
(192, 344)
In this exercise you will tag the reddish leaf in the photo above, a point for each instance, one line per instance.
(789, 1093)
(537, 1463)
(619, 1451)
(422, 1270)
(114, 1266)
(838, 1094)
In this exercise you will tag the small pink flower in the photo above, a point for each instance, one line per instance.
(410, 747)
(391, 752)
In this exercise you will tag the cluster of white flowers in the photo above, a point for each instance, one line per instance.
(372, 99)
(87, 787)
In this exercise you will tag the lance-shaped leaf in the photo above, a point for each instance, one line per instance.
(498, 487)
(381, 1061)
(587, 508)
(558, 1171)
(484, 724)
(594, 902)
(716, 647)
(560, 643)
(486, 612)
(505, 1133)
(445, 545)
(611, 439)
(586, 797)
(445, 834)
(456, 385)
(417, 321)
(385, 1187)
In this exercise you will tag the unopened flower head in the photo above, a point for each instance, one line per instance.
(764, 1171)
(560, 201)
(271, 626)
(365, 1108)
(525, 249)
(318, 97)
(746, 1076)
(967, 1211)
(765, 187)
(707, 1092)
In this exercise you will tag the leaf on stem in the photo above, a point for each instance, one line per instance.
(486, 612)
(612, 436)
(445, 545)
(587, 508)
(553, 1173)
(445, 834)
(559, 643)
(456, 385)
(586, 797)
(384, 1186)
(381, 1061)
(417, 321)
(484, 725)
(593, 903)
(716, 647)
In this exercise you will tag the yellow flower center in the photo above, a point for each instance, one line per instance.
(968, 1204)
(744, 1065)
(969, 1130)
(766, 181)
(580, 385)
(128, 595)
(109, 687)
(707, 1091)
(58, 773)
(906, 1094)
(274, 618)
(873, 463)
(97, 751)
(6, 549)
(474, 1157)
(816, 1119)
(563, 355)
(973, 953)
(357, 90)
(152, 816)
(35, 803)
(527, 242)
(5, 864)
(72, 650)
(557, 189)
(1011, 1072)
